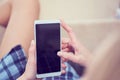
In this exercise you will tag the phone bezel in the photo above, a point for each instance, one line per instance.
(47, 22)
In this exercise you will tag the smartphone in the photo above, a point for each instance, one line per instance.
(48, 43)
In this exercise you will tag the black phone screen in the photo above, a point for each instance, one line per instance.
(47, 45)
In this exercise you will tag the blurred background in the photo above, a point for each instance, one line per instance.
(92, 20)
(78, 9)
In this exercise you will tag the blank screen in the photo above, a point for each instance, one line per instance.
(47, 46)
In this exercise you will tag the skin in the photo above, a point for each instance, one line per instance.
(30, 72)
(80, 55)
(20, 19)
(5, 11)
(19, 22)
(65, 54)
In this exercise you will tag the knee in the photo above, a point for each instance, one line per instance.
(32, 6)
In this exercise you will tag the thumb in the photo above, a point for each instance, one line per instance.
(31, 55)
(79, 59)
(30, 71)
(67, 55)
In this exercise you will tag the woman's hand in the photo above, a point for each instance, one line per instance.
(30, 71)
(72, 50)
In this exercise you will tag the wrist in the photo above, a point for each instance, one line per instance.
(22, 78)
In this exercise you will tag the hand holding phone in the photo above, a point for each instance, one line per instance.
(48, 43)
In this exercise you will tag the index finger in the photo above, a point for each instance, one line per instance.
(71, 35)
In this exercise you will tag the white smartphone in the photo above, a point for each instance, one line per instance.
(48, 43)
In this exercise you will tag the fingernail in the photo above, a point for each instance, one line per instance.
(58, 53)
